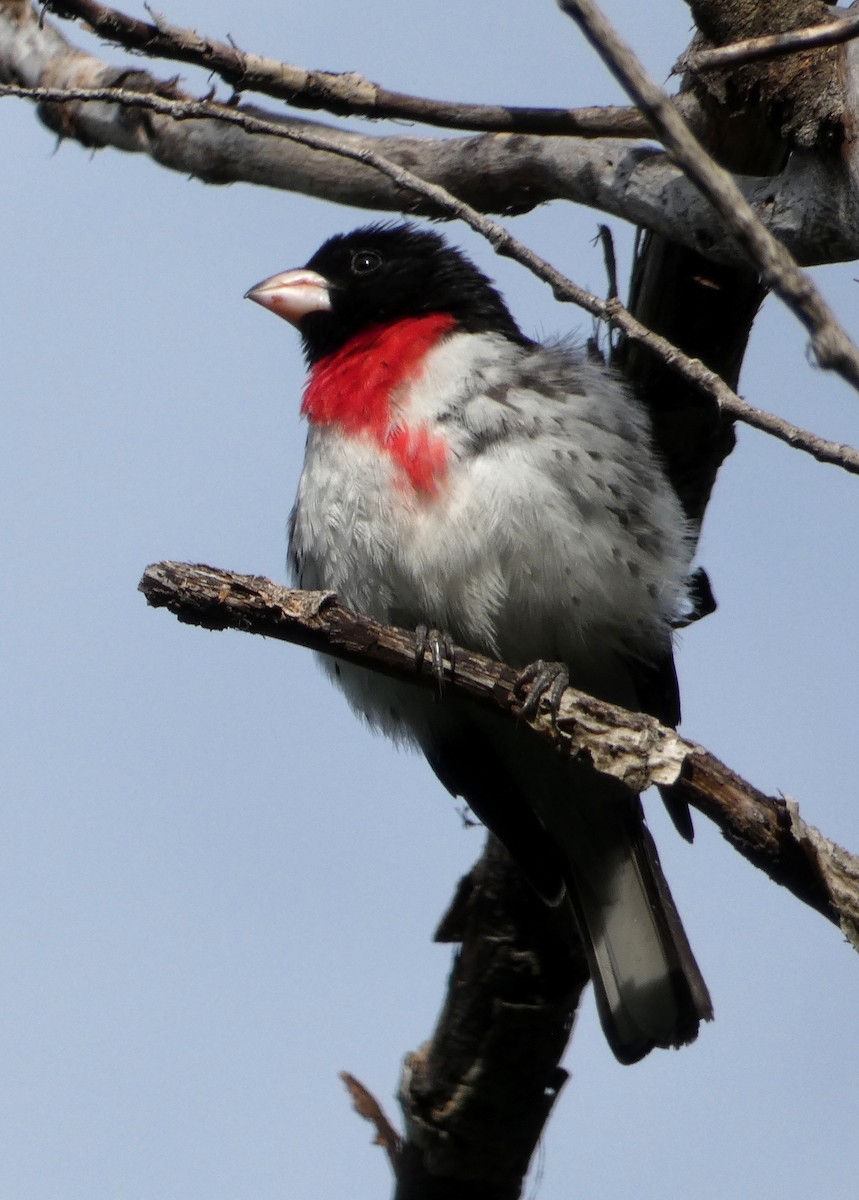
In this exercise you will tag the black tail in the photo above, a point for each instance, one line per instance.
(580, 839)
(648, 987)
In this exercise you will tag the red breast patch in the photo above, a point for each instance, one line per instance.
(353, 386)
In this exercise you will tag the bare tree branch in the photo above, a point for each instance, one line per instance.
(631, 747)
(476, 1096)
(822, 449)
(833, 33)
(343, 94)
(810, 206)
(832, 347)
(611, 311)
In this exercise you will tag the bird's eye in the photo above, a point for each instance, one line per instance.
(365, 261)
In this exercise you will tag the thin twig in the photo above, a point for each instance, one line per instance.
(832, 346)
(631, 747)
(738, 54)
(606, 240)
(502, 241)
(346, 94)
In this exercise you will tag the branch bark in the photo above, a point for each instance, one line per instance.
(476, 1096)
(344, 94)
(810, 207)
(632, 747)
(803, 94)
(832, 346)
(444, 202)
(775, 45)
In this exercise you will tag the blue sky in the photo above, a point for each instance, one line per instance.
(216, 889)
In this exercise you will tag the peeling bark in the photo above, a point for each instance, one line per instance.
(631, 747)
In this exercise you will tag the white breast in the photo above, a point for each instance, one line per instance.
(554, 533)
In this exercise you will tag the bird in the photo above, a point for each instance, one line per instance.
(460, 476)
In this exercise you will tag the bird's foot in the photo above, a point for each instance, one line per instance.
(439, 646)
(541, 679)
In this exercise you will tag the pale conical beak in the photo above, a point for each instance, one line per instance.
(292, 294)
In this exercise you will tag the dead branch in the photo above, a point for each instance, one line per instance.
(632, 747)
(611, 311)
(810, 206)
(344, 94)
(832, 346)
(760, 49)
(476, 1096)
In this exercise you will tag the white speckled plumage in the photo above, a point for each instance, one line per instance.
(555, 535)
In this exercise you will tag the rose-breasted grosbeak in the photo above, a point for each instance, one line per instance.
(461, 476)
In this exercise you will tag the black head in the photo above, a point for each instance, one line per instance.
(385, 272)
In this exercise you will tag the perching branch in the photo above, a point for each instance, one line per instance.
(760, 49)
(632, 747)
(832, 347)
(345, 94)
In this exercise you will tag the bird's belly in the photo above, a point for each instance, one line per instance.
(485, 562)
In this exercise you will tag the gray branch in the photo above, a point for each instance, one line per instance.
(341, 93)
(811, 207)
(779, 270)
(445, 203)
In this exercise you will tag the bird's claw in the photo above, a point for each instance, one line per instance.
(439, 646)
(541, 679)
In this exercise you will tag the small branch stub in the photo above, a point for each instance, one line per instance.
(367, 1106)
